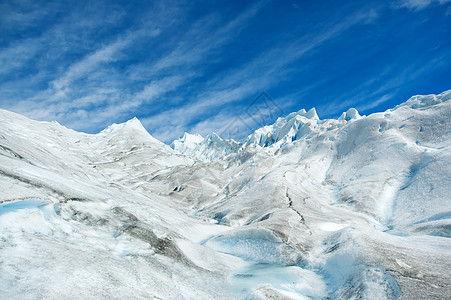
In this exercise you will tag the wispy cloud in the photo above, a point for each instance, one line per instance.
(198, 42)
(79, 92)
(244, 83)
(93, 89)
(378, 91)
(418, 4)
(89, 63)
(374, 103)
(22, 52)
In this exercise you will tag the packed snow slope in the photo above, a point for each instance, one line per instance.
(354, 208)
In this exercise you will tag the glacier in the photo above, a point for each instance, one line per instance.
(357, 207)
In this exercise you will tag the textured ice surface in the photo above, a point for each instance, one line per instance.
(354, 208)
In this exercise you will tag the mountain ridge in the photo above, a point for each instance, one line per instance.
(283, 132)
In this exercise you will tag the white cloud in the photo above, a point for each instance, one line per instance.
(418, 4)
(88, 84)
(375, 103)
(203, 38)
(160, 87)
(89, 63)
(18, 54)
(22, 14)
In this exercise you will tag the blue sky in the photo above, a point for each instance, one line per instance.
(196, 65)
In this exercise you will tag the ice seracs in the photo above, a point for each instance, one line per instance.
(421, 101)
(284, 131)
(187, 143)
(207, 149)
(351, 114)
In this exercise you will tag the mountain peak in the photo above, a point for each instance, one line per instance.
(132, 124)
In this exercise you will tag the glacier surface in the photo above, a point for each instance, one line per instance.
(354, 208)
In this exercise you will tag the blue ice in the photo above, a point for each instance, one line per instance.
(31, 203)
(253, 245)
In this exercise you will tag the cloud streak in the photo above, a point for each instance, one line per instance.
(417, 5)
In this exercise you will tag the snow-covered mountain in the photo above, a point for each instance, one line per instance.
(354, 208)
